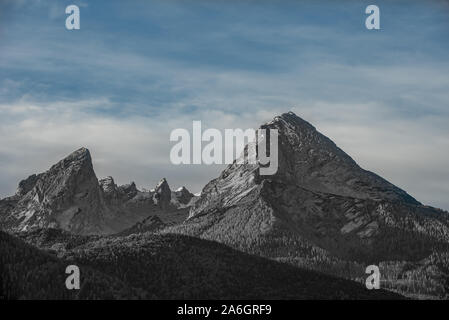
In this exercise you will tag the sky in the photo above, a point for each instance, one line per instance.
(136, 70)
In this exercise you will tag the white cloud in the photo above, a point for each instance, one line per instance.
(389, 113)
(137, 148)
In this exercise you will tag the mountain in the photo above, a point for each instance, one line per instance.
(307, 231)
(322, 211)
(69, 196)
(149, 266)
(183, 197)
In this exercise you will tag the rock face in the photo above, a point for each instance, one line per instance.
(69, 196)
(317, 188)
(320, 210)
(308, 160)
(182, 196)
(162, 194)
(311, 160)
(66, 196)
(26, 185)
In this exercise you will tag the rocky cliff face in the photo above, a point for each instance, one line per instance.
(311, 160)
(66, 196)
(182, 196)
(318, 190)
(69, 196)
(162, 194)
(320, 210)
(308, 160)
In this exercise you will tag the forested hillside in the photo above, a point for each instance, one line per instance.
(165, 267)
(29, 273)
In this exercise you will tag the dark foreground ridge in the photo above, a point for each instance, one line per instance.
(147, 266)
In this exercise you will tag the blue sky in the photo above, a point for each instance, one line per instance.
(138, 69)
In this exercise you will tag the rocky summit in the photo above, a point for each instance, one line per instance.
(70, 197)
(320, 213)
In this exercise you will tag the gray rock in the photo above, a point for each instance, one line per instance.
(162, 194)
(320, 210)
(182, 196)
(70, 197)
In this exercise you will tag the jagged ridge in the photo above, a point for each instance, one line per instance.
(69, 196)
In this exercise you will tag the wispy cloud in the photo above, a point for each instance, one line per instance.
(133, 73)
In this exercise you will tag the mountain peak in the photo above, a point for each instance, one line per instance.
(80, 154)
(162, 194)
(311, 160)
(163, 184)
(290, 116)
(289, 120)
(308, 160)
(66, 196)
(69, 196)
(79, 159)
(182, 195)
